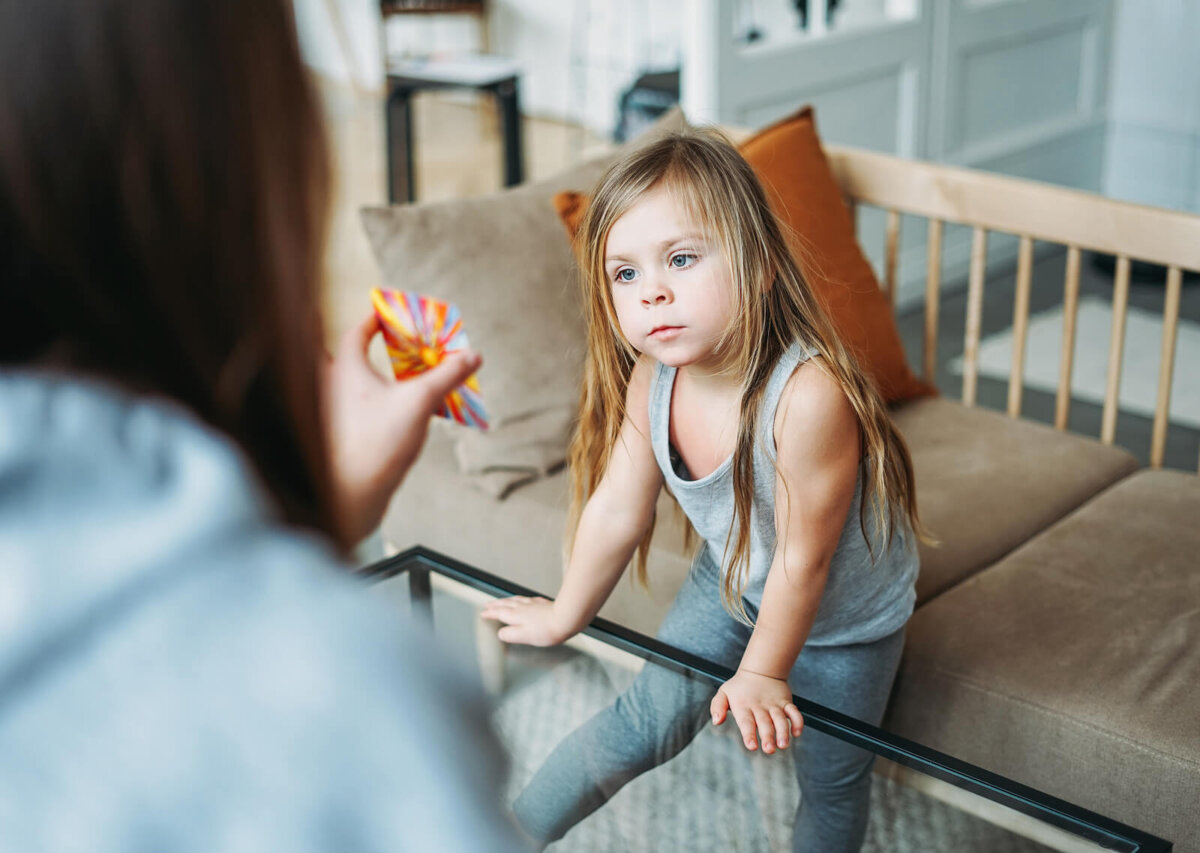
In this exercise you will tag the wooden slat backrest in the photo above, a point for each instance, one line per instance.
(1015, 206)
(1032, 211)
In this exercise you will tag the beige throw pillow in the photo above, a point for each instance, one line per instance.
(503, 260)
(520, 451)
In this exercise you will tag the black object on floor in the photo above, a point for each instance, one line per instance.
(649, 97)
(494, 75)
(1140, 272)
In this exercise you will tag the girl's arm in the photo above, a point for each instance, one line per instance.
(612, 523)
(817, 447)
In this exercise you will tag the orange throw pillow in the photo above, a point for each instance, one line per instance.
(805, 196)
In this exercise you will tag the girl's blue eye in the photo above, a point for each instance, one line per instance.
(682, 261)
(621, 274)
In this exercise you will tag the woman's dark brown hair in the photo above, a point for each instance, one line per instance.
(163, 197)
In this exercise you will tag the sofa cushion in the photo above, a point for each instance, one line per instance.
(789, 161)
(501, 258)
(522, 538)
(1073, 665)
(987, 483)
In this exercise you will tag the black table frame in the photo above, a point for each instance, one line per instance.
(399, 120)
(420, 562)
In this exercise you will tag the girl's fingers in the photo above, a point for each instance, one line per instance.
(719, 707)
(766, 729)
(748, 727)
(504, 603)
(510, 634)
(782, 727)
(502, 613)
(795, 718)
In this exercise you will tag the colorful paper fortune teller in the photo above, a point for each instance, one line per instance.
(419, 332)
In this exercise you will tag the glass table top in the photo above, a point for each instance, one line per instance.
(554, 711)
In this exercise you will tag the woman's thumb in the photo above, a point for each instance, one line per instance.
(453, 371)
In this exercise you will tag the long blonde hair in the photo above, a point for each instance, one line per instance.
(775, 308)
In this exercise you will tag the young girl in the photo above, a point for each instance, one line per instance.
(712, 369)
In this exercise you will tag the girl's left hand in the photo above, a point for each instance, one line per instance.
(762, 707)
(377, 425)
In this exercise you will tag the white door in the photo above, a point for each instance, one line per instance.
(1015, 86)
(868, 84)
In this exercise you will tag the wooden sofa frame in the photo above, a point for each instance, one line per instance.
(1031, 211)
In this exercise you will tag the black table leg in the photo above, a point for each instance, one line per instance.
(509, 102)
(401, 183)
(421, 594)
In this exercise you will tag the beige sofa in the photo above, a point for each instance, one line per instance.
(1057, 635)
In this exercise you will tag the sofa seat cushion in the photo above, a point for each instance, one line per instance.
(1073, 665)
(987, 483)
(522, 537)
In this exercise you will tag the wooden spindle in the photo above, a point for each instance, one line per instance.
(1020, 325)
(1062, 403)
(1166, 367)
(933, 282)
(891, 256)
(1116, 347)
(974, 316)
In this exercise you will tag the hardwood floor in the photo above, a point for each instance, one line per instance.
(457, 149)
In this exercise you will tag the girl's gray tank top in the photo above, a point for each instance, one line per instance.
(864, 599)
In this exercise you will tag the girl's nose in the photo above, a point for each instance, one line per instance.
(654, 293)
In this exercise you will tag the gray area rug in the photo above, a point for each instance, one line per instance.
(1140, 360)
(714, 795)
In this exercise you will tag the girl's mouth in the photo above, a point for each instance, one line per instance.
(665, 333)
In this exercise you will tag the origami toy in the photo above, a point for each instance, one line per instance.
(419, 332)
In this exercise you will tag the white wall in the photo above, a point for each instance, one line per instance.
(422, 35)
(1153, 154)
(356, 60)
(579, 55)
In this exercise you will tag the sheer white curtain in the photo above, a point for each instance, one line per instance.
(343, 40)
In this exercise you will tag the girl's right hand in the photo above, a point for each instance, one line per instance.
(532, 621)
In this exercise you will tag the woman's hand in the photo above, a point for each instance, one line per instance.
(377, 426)
(532, 621)
(762, 707)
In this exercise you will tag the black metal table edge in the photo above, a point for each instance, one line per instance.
(419, 561)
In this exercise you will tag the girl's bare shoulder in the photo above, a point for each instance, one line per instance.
(815, 413)
(637, 395)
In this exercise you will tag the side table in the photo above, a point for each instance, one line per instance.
(405, 77)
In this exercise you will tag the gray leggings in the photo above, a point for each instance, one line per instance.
(662, 711)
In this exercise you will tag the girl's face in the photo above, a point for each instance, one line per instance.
(670, 283)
